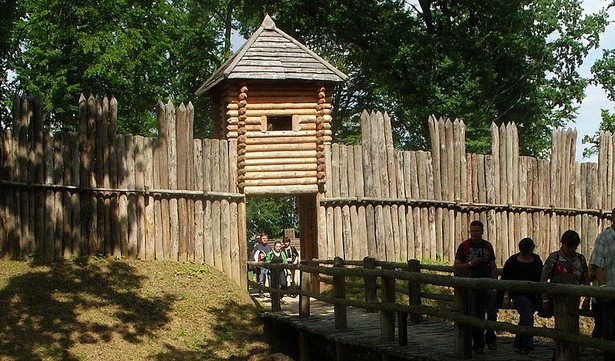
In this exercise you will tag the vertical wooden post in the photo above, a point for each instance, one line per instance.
(566, 314)
(304, 346)
(463, 336)
(370, 282)
(304, 299)
(339, 292)
(387, 318)
(402, 328)
(340, 352)
(414, 289)
(274, 287)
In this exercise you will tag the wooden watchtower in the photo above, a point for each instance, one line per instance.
(273, 97)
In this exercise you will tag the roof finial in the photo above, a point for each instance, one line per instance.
(268, 23)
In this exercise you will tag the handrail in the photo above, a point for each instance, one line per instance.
(389, 273)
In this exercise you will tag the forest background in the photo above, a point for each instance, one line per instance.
(482, 61)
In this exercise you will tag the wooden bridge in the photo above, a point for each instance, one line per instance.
(416, 311)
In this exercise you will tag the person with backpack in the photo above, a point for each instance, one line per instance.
(568, 266)
(475, 258)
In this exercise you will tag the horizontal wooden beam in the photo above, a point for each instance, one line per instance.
(280, 182)
(267, 168)
(280, 190)
(259, 173)
(275, 147)
(282, 154)
(272, 161)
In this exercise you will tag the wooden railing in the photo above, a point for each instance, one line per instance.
(403, 281)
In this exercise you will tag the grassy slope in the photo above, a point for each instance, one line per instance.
(94, 309)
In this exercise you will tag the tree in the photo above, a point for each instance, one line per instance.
(604, 75)
(7, 22)
(479, 60)
(137, 51)
(271, 215)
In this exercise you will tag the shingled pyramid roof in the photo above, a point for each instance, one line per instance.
(271, 54)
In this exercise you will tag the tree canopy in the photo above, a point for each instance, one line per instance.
(136, 51)
(481, 61)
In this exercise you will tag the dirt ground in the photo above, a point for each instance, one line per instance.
(100, 309)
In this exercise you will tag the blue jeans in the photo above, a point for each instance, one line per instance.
(261, 276)
(525, 307)
(479, 303)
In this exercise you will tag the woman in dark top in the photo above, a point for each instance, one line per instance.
(523, 266)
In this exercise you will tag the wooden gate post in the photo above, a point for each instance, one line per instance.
(566, 314)
(339, 292)
(304, 299)
(387, 318)
(371, 294)
(414, 289)
(274, 288)
(463, 333)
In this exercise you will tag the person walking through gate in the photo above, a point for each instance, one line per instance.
(523, 266)
(475, 258)
(260, 250)
(292, 256)
(276, 255)
(603, 262)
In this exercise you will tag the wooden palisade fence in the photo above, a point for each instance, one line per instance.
(397, 205)
(171, 197)
(406, 279)
(177, 198)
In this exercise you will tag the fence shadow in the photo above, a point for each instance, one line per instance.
(45, 309)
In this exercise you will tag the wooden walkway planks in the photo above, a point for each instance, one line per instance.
(427, 341)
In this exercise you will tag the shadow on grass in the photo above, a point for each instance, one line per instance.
(237, 335)
(41, 312)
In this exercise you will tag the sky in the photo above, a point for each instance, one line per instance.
(588, 119)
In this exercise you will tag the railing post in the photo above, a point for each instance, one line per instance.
(387, 318)
(275, 285)
(463, 333)
(566, 315)
(304, 299)
(371, 293)
(304, 346)
(339, 292)
(414, 290)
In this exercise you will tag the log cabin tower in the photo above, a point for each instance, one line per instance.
(273, 97)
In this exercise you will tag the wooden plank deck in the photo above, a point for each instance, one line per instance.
(429, 340)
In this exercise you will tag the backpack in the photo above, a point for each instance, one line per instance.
(466, 247)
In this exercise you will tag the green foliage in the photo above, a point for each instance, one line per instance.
(7, 22)
(482, 61)
(606, 125)
(604, 76)
(196, 271)
(271, 216)
(479, 60)
(136, 51)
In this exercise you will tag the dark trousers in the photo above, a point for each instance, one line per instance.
(481, 302)
(608, 325)
(597, 313)
(525, 307)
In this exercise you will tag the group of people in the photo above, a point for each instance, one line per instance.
(281, 252)
(475, 258)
